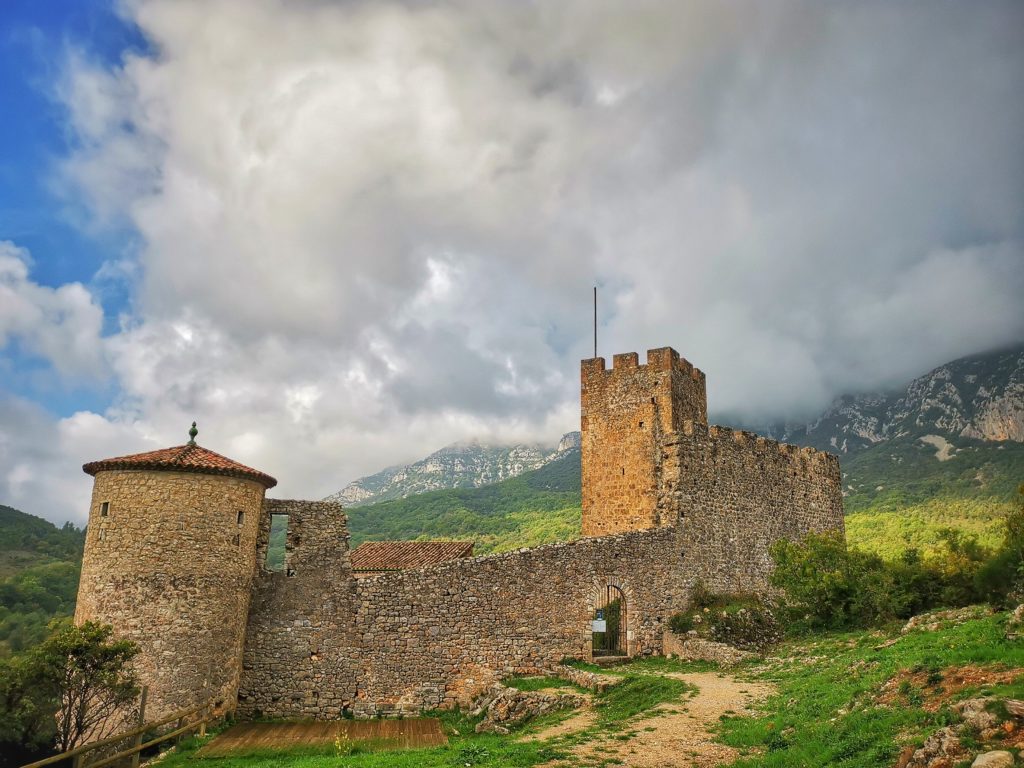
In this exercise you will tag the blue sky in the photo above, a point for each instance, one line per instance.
(35, 212)
(342, 235)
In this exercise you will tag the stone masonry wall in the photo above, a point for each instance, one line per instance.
(300, 656)
(431, 637)
(735, 493)
(625, 413)
(321, 642)
(171, 567)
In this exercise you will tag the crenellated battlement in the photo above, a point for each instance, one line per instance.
(660, 359)
(757, 444)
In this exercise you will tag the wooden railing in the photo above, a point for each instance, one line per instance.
(188, 721)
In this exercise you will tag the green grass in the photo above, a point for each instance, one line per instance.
(615, 708)
(464, 748)
(635, 694)
(825, 712)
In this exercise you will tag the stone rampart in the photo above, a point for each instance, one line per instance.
(735, 493)
(433, 635)
(321, 642)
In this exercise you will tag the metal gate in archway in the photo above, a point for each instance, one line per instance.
(610, 622)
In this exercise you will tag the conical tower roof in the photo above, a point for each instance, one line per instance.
(182, 458)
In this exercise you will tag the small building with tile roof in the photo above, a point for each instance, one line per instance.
(372, 557)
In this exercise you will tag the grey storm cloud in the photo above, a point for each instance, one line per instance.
(368, 229)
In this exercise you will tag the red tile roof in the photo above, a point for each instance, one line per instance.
(400, 555)
(182, 458)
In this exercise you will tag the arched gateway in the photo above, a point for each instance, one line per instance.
(610, 625)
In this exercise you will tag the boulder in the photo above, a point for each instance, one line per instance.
(975, 713)
(997, 759)
(941, 750)
(509, 706)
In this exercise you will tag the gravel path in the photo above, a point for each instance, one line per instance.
(679, 735)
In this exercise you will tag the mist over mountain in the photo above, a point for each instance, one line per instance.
(979, 397)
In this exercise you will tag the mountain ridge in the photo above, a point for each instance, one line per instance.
(466, 464)
(976, 397)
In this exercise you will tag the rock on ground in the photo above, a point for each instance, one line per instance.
(510, 706)
(997, 759)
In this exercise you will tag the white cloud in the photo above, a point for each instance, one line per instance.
(61, 325)
(371, 228)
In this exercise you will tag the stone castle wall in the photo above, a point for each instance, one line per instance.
(171, 568)
(301, 655)
(734, 493)
(433, 636)
(626, 411)
(178, 565)
(321, 642)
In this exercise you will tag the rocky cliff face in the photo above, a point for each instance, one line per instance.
(460, 465)
(980, 397)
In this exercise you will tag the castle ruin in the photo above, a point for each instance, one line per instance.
(175, 560)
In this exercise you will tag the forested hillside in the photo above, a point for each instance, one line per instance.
(39, 570)
(534, 508)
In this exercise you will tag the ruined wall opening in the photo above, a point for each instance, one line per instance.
(278, 542)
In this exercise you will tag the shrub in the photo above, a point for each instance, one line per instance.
(1001, 579)
(827, 584)
(750, 627)
(681, 623)
(740, 620)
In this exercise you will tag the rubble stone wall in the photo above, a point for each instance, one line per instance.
(171, 566)
(301, 655)
(734, 494)
(435, 636)
(321, 642)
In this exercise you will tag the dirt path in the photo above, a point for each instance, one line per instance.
(679, 735)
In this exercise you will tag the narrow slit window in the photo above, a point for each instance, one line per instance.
(104, 509)
(236, 539)
(277, 544)
(641, 425)
(241, 518)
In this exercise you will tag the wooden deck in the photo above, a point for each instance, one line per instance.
(378, 734)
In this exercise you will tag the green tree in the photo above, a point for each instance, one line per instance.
(77, 685)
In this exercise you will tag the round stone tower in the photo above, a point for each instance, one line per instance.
(170, 558)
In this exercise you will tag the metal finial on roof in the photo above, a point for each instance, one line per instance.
(192, 434)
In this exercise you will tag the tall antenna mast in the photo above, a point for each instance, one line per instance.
(595, 321)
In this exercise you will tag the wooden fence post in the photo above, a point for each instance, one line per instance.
(142, 722)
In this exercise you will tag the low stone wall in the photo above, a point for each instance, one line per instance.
(692, 648)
